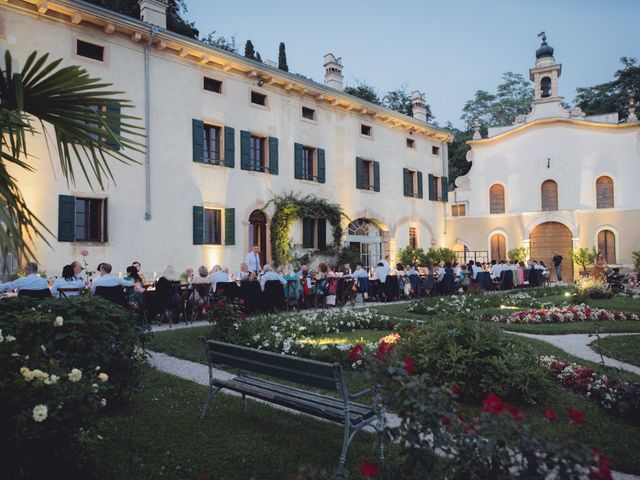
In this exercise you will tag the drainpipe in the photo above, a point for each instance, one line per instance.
(147, 122)
(445, 172)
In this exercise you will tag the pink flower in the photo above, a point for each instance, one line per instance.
(408, 365)
(516, 414)
(84, 253)
(355, 354)
(575, 415)
(493, 404)
(369, 469)
(549, 414)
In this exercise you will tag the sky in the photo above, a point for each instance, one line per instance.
(447, 49)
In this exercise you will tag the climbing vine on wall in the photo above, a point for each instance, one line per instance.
(291, 207)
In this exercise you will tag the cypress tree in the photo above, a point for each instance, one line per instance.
(258, 57)
(249, 52)
(282, 58)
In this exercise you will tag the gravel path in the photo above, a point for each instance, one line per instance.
(578, 345)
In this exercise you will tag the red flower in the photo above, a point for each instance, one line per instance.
(369, 469)
(456, 390)
(355, 354)
(383, 349)
(461, 416)
(493, 404)
(408, 365)
(575, 415)
(515, 413)
(446, 421)
(603, 471)
(549, 414)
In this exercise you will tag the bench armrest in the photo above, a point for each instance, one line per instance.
(360, 393)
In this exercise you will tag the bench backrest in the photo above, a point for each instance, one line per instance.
(285, 367)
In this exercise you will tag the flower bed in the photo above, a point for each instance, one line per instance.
(618, 396)
(570, 314)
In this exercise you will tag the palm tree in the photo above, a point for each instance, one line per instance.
(89, 131)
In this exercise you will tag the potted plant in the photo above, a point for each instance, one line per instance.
(584, 257)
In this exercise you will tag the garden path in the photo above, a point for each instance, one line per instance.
(578, 345)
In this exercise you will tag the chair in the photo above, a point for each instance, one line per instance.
(250, 293)
(62, 292)
(414, 280)
(391, 288)
(170, 303)
(319, 292)
(44, 293)
(197, 301)
(229, 290)
(113, 294)
(273, 296)
(292, 294)
(362, 287)
(448, 284)
(506, 280)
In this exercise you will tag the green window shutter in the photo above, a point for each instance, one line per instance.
(229, 226)
(113, 120)
(297, 152)
(419, 184)
(376, 176)
(359, 173)
(198, 140)
(445, 189)
(321, 165)
(66, 218)
(105, 222)
(433, 188)
(229, 147)
(406, 178)
(273, 156)
(198, 225)
(245, 147)
(307, 232)
(322, 233)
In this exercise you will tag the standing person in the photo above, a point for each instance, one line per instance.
(598, 267)
(32, 281)
(557, 264)
(253, 259)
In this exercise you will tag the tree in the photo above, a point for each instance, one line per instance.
(223, 43)
(282, 58)
(364, 91)
(612, 96)
(89, 130)
(249, 52)
(175, 22)
(584, 257)
(513, 97)
(458, 149)
(400, 101)
(258, 57)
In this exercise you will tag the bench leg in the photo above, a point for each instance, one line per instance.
(345, 447)
(210, 395)
(244, 403)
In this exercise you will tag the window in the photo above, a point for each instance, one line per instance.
(412, 183)
(314, 233)
(212, 143)
(308, 157)
(257, 154)
(438, 188)
(496, 199)
(435, 150)
(367, 174)
(90, 50)
(604, 192)
(367, 167)
(212, 85)
(258, 99)
(607, 245)
(308, 113)
(212, 226)
(411, 143)
(413, 237)
(89, 220)
(498, 247)
(365, 130)
(549, 194)
(459, 210)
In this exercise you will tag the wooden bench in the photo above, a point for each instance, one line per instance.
(320, 375)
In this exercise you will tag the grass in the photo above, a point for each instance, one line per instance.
(625, 348)
(160, 435)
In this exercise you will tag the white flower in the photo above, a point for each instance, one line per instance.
(39, 374)
(43, 348)
(27, 374)
(1, 337)
(58, 322)
(98, 368)
(51, 380)
(103, 402)
(95, 387)
(75, 375)
(103, 377)
(40, 413)
(10, 338)
(15, 354)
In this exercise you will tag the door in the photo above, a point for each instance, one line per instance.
(258, 233)
(549, 238)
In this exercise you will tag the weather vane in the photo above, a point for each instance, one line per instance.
(544, 37)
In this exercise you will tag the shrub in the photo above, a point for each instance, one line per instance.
(411, 256)
(477, 357)
(61, 362)
(584, 257)
(591, 287)
(225, 316)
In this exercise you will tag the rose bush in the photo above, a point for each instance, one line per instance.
(580, 313)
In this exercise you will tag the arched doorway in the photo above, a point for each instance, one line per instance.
(549, 238)
(258, 233)
(366, 237)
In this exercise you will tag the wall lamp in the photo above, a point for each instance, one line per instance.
(260, 82)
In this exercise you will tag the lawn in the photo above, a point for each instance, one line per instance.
(160, 435)
(624, 348)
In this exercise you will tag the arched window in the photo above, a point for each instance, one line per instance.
(496, 199)
(607, 245)
(498, 247)
(366, 237)
(549, 193)
(604, 192)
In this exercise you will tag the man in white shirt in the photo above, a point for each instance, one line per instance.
(439, 268)
(476, 269)
(497, 270)
(32, 281)
(360, 272)
(382, 272)
(108, 280)
(217, 275)
(243, 273)
(385, 262)
(269, 274)
(253, 259)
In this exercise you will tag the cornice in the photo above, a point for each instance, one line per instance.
(77, 13)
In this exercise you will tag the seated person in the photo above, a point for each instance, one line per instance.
(323, 271)
(293, 287)
(345, 269)
(217, 275)
(412, 271)
(139, 268)
(67, 280)
(187, 276)
(203, 275)
(32, 281)
(304, 270)
(168, 278)
(107, 280)
(243, 274)
(268, 274)
(475, 270)
(382, 272)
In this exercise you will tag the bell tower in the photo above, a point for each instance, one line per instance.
(545, 74)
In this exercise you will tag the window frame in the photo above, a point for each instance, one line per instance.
(264, 167)
(204, 81)
(100, 237)
(435, 150)
(369, 128)
(314, 114)
(309, 158)
(410, 143)
(207, 127)
(76, 43)
(457, 207)
(413, 236)
(264, 106)
(413, 182)
(557, 196)
(216, 225)
(504, 199)
(613, 192)
(367, 175)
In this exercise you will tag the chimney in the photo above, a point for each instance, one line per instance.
(333, 72)
(154, 12)
(418, 106)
